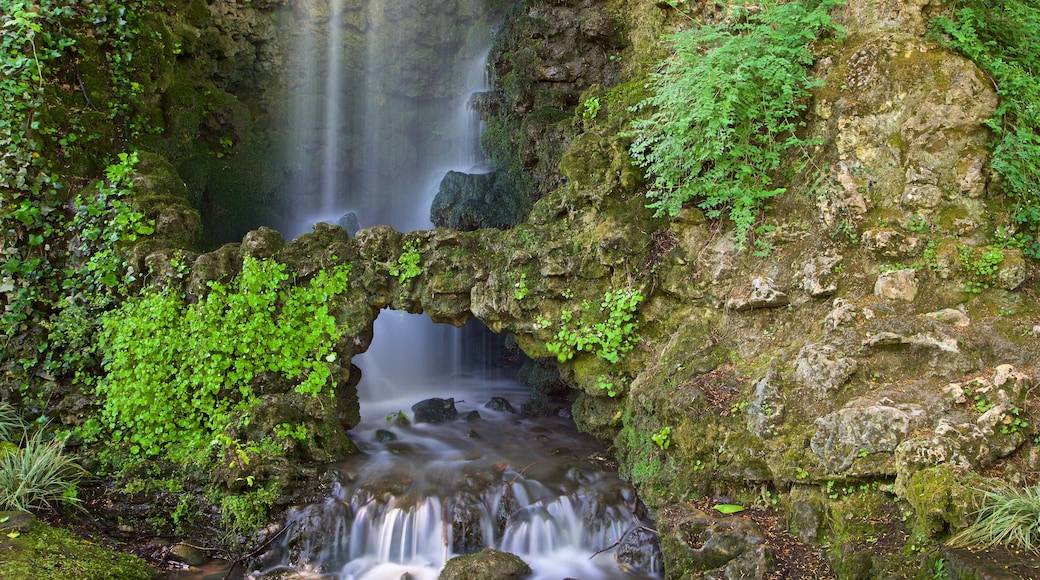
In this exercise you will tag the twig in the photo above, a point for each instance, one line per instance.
(622, 539)
(82, 87)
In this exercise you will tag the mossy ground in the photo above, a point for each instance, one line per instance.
(31, 550)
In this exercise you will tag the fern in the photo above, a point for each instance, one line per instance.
(725, 110)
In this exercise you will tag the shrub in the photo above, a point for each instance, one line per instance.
(725, 110)
(1008, 516)
(38, 475)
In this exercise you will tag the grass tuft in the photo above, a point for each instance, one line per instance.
(38, 476)
(1008, 517)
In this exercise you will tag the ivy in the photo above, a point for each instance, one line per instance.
(178, 375)
(725, 110)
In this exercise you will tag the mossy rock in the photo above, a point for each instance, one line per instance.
(486, 563)
(30, 550)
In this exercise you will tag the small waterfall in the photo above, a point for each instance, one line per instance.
(531, 487)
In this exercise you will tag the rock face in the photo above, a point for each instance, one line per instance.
(470, 201)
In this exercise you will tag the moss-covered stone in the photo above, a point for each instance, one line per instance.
(30, 549)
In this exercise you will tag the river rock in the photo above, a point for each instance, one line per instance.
(435, 410)
(485, 564)
(500, 404)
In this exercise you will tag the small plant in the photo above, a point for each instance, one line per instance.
(608, 338)
(801, 474)
(11, 424)
(1014, 422)
(591, 108)
(605, 384)
(917, 224)
(39, 475)
(408, 264)
(980, 265)
(520, 287)
(662, 437)
(1009, 516)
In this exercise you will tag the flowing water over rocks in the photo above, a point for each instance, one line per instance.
(425, 492)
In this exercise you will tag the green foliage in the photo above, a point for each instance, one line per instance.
(1003, 38)
(11, 423)
(245, 512)
(46, 552)
(980, 265)
(662, 437)
(605, 384)
(179, 374)
(408, 264)
(520, 287)
(39, 475)
(590, 108)
(608, 335)
(1009, 516)
(725, 110)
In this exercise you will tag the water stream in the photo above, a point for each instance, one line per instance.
(380, 115)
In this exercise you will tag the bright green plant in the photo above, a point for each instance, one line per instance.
(1003, 38)
(1009, 516)
(408, 265)
(605, 384)
(608, 335)
(725, 110)
(662, 437)
(520, 288)
(591, 108)
(245, 512)
(179, 374)
(980, 265)
(39, 475)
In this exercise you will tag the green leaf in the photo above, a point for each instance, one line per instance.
(729, 508)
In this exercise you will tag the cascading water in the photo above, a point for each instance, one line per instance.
(381, 114)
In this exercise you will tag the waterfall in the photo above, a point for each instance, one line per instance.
(380, 113)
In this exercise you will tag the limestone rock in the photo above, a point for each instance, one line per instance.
(897, 285)
(761, 292)
(863, 426)
(822, 368)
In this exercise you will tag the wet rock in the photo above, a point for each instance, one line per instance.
(487, 563)
(471, 201)
(472, 416)
(188, 555)
(500, 404)
(640, 549)
(384, 436)
(435, 410)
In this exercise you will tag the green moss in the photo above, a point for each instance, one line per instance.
(941, 498)
(45, 552)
